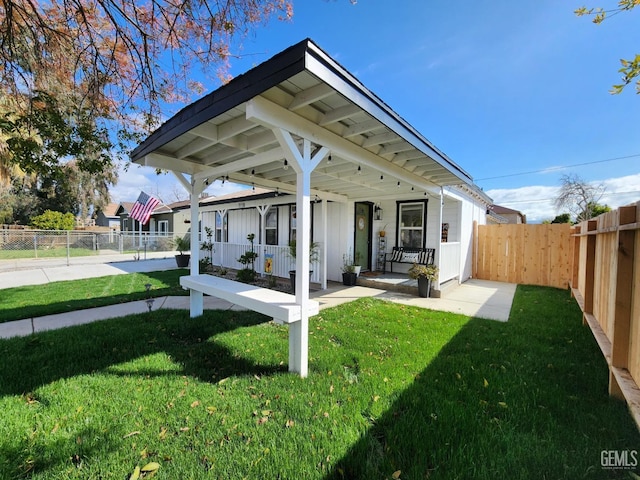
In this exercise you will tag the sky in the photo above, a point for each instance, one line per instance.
(515, 93)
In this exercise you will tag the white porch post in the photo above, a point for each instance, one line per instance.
(222, 213)
(437, 255)
(325, 236)
(196, 300)
(303, 163)
(262, 210)
(299, 331)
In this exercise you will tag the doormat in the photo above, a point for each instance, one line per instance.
(370, 274)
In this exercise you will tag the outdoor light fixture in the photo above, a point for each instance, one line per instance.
(253, 172)
(206, 181)
(398, 184)
(329, 160)
(359, 170)
(286, 165)
(377, 212)
(253, 187)
(277, 191)
(381, 178)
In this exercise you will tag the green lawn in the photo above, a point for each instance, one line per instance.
(59, 297)
(393, 392)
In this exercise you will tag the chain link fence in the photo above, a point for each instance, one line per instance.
(29, 244)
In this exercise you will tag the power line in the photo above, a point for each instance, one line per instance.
(553, 169)
(539, 200)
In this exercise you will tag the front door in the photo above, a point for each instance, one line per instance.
(363, 235)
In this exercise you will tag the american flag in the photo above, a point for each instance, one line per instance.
(143, 207)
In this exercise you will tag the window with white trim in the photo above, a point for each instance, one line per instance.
(271, 226)
(411, 224)
(222, 230)
(163, 227)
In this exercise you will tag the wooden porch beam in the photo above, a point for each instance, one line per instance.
(272, 115)
(166, 162)
(242, 164)
(310, 95)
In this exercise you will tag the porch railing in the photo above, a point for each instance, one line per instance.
(227, 254)
(449, 261)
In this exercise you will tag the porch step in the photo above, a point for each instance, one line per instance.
(408, 286)
(402, 284)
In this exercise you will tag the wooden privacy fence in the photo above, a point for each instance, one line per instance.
(605, 281)
(528, 254)
(600, 260)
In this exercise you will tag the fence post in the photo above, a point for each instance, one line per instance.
(623, 295)
(575, 268)
(68, 247)
(592, 227)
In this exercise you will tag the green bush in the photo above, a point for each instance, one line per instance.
(51, 220)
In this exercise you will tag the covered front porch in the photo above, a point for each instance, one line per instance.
(300, 124)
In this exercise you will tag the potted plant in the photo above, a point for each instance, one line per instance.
(425, 274)
(182, 245)
(383, 231)
(356, 264)
(314, 255)
(349, 276)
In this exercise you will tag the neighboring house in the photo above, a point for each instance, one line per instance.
(162, 212)
(301, 114)
(108, 217)
(500, 214)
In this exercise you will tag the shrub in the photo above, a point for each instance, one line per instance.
(51, 220)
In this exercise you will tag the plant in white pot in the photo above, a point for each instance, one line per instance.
(425, 274)
(182, 245)
(356, 264)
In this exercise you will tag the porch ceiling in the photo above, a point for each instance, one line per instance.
(229, 133)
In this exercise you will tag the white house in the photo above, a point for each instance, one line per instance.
(301, 124)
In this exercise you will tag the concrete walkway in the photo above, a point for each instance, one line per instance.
(474, 298)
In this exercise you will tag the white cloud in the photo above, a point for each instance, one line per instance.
(537, 202)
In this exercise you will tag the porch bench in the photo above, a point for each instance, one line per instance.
(422, 256)
(282, 307)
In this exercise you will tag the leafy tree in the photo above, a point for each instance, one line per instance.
(22, 198)
(630, 67)
(580, 197)
(7, 200)
(76, 190)
(562, 218)
(51, 220)
(596, 209)
(72, 69)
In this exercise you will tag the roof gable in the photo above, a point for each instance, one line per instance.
(229, 133)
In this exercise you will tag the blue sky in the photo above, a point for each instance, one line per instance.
(502, 87)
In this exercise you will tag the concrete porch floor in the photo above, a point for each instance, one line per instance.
(474, 298)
